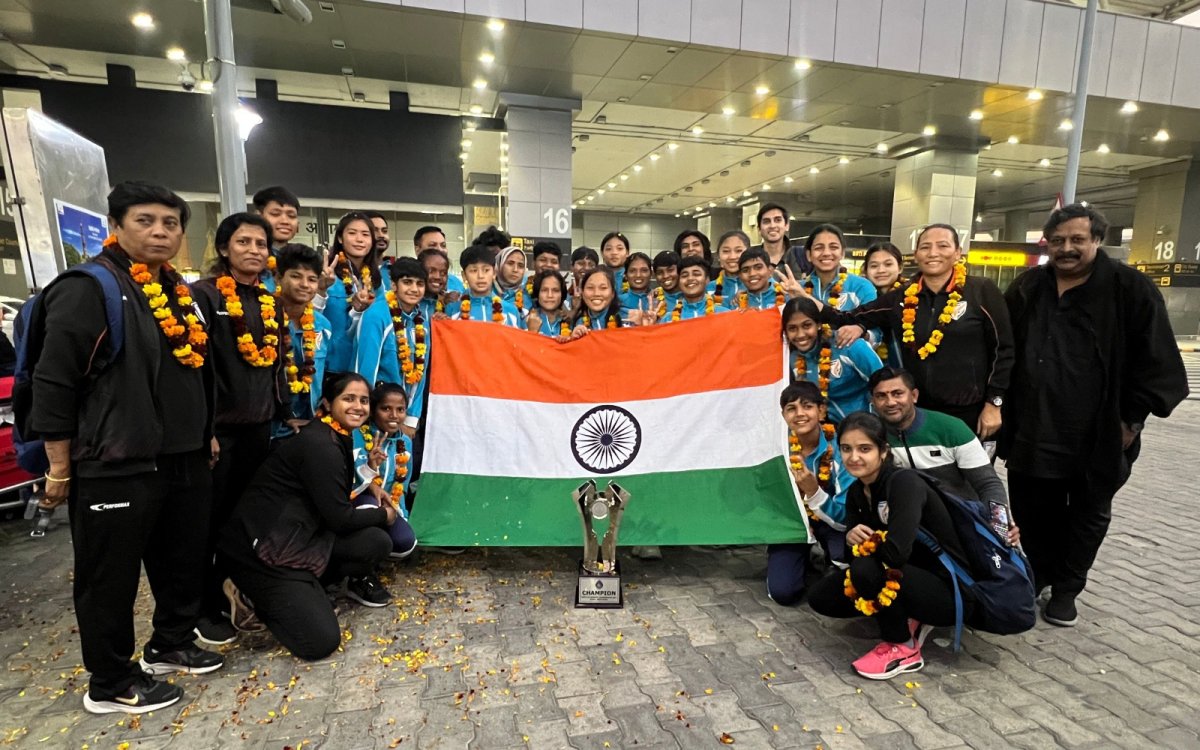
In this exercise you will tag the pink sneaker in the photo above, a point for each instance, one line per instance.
(920, 631)
(888, 660)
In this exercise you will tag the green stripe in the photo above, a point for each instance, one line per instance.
(751, 505)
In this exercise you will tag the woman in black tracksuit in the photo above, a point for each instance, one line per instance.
(896, 502)
(295, 530)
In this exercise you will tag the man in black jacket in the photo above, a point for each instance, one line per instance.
(129, 446)
(1095, 355)
(773, 224)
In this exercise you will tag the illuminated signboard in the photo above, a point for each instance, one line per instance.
(997, 258)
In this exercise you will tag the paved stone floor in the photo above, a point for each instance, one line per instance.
(485, 651)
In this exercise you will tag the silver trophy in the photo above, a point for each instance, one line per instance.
(599, 574)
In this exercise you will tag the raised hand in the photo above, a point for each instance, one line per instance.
(328, 275)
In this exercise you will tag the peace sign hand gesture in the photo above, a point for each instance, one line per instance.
(362, 299)
(327, 275)
(791, 285)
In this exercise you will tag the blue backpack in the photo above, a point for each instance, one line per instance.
(997, 575)
(29, 333)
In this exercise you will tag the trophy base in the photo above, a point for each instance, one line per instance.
(599, 590)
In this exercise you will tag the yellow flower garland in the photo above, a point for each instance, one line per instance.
(250, 351)
(300, 377)
(188, 345)
(412, 363)
(908, 316)
(891, 587)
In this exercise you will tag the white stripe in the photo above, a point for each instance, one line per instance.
(711, 430)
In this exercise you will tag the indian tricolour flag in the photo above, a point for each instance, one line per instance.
(684, 416)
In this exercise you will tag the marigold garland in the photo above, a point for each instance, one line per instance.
(348, 278)
(743, 298)
(610, 320)
(835, 291)
(300, 377)
(908, 315)
(891, 587)
(189, 344)
(252, 353)
(368, 438)
(412, 359)
(719, 288)
(497, 309)
(334, 425)
(824, 367)
(271, 263)
(564, 327)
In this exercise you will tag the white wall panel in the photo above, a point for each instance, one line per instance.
(1127, 58)
(765, 25)
(665, 19)
(450, 6)
(717, 23)
(982, 40)
(1058, 50)
(942, 37)
(811, 29)
(901, 25)
(1158, 72)
(1102, 40)
(1021, 41)
(856, 37)
(555, 12)
(1187, 74)
(616, 16)
(512, 9)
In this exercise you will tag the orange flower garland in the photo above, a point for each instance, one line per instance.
(835, 291)
(824, 367)
(271, 263)
(300, 377)
(333, 425)
(610, 321)
(718, 289)
(743, 298)
(497, 309)
(564, 327)
(348, 279)
(891, 586)
(188, 345)
(251, 352)
(908, 316)
(412, 359)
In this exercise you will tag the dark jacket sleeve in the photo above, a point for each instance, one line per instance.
(878, 313)
(1155, 380)
(906, 496)
(1000, 339)
(327, 481)
(74, 325)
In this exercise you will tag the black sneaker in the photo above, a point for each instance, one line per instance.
(215, 631)
(190, 660)
(368, 591)
(1060, 611)
(145, 694)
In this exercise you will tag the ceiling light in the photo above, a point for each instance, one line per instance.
(712, 205)
(844, 160)
(814, 170)
(176, 54)
(503, 145)
(612, 185)
(672, 146)
(1013, 140)
(143, 21)
(745, 193)
(676, 216)
(788, 179)
(247, 120)
(1129, 108)
(687, 212)
(766, 186)
(476, 109)
(466, 143)
(729, 199)
(881, 148)
(978, 218)
(205, 86)
(1034, 95)
(1103, 148)
(1066, 124)
(727, 111)
(487, 58)
(762, 90)
(503, 159)
(637, 167)
(654, 157)
(480, 84)
(697, 130)
(591, 197)
(929, 130)
(1043, 162)
(463, 155)
(976, 114)
(997, 173)
(803, 64)
(624, 177)
(495, 25)
(600, 191)
(1162, 136)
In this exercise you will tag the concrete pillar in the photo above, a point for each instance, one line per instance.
(719, 221)
(1166, 238)
(1016, 225)
(539, 165)
(933, 186)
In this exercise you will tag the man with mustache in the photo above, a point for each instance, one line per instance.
(1095, 355)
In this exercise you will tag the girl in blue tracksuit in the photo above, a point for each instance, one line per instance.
(481, 302)
(512, 279)
(841, 373)
(549, 316)
(635, 289)
(356, 268)
(728, 283)
(382, 463)
(614, 250)
(383, 353)
(309, 334)
(694, 300)
(599, 306)
(829, 282)
(822, 483)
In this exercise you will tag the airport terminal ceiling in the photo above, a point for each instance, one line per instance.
(663, 128)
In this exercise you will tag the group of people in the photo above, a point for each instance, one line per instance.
(254, 439)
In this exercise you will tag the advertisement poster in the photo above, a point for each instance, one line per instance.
(82, 232)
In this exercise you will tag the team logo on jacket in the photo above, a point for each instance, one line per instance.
(606, 439)
(959, 310)
(835, 368)
(882, 510)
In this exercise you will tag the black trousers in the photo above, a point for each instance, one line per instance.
(293, 604)
(159, 519)
(1063, 523)
(243, 449)
(787, 564)
(924, 596)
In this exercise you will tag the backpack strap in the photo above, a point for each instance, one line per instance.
(113, 312)
(958, 576)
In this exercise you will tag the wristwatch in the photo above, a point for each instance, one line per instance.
(996, 401)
